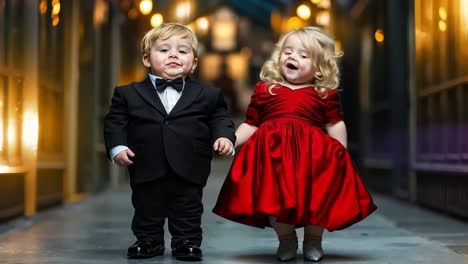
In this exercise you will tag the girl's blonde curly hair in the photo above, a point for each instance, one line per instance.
(321, 47)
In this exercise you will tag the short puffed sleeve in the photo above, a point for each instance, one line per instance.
(333, 111)
(252, 113)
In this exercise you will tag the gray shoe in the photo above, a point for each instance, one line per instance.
(313, 250)
(287, 250)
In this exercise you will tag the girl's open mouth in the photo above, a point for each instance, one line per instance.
(291, 66)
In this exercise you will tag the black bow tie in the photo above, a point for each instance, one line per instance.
(176, 84)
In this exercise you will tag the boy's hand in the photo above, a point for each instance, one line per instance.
(223, 146)
(123, 158)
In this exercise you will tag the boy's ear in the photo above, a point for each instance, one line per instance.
(194, 66)
(146, 60)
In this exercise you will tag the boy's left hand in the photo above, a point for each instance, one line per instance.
(223, 146)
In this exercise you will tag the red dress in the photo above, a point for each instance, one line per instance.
(290, 168)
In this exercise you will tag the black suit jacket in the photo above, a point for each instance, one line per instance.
(181, 140)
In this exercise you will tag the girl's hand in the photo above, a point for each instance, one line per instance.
(223, 146)
(338, 132)
(243, 133)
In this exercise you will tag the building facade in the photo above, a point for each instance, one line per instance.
(55, 58)
(412, 82)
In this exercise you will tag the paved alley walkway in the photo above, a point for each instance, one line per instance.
(97, 231)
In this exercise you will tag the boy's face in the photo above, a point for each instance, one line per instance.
(171, 58)
(295, 62)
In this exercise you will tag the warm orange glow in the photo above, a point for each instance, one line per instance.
(7, 169)
(203, 25)
(442, 13)
(56, 8)
(191, 26)
(224, 30)
(303, 11)
(323, 18)
(338, 46)
(30, 130)
(183, 10)
(55, 12)
(43, 7)
(1, 136)
(132, 13)
(12, 134)
(156, 20)
(276, 21)
(464, 15)
(100, 12)
(324, 4)
(292, 23)
(225, 35)
(55, 21)
(1, 126)
(315, 2)
(442, 26)
(379, 35)
(210, 66)
(146, 6)
(237, 65)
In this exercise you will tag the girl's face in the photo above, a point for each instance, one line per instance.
(295, 62)
(171, 58)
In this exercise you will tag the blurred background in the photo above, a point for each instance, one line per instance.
(404, 87)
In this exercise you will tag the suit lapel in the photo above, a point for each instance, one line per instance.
(190, 93)
(148, 92)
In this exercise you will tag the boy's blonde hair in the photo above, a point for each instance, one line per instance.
(166, 31)
(322, 52)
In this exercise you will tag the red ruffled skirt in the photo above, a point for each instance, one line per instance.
(296, 172)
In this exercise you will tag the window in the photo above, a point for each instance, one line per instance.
(441, 57)
(11, 81)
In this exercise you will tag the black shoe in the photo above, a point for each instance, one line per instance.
(187, 251)
(145, 248)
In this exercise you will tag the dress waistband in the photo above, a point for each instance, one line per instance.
(292, 118)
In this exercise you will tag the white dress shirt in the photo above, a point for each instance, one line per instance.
(169, 97)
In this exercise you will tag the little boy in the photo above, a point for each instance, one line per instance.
(164, 130)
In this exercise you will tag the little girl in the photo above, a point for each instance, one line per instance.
(289, 173)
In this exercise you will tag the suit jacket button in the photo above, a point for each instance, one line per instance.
(166, 122)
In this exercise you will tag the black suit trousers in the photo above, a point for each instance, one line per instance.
(173, 198)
